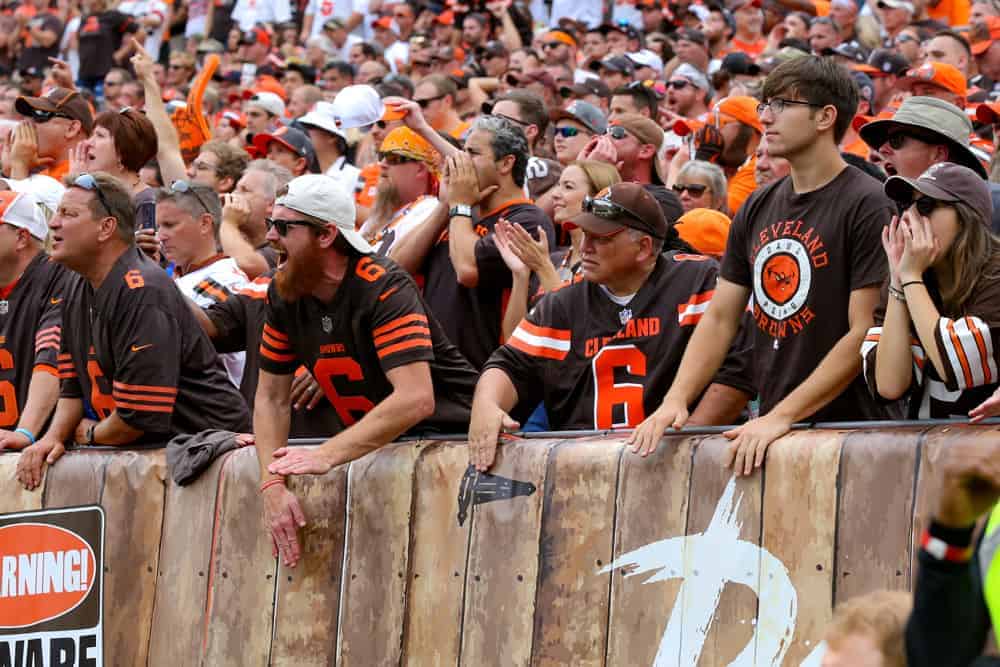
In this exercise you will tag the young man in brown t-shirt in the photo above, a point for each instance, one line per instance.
(807, 249)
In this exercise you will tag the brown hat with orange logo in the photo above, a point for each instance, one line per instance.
(743, 108)
(59, 102)
(622, 205)
(706, 230)
(942, 75)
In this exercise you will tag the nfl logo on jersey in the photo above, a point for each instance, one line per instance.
(327, 324)
(625, 315)
(4, 307)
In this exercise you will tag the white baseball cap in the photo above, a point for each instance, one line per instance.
(322, 116)
(21, 209)
(269, 102)
(646, 58)
(48, 192)
(357, 106)
(321, 197)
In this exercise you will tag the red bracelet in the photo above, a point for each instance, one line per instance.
(941, 550)
(273, 482)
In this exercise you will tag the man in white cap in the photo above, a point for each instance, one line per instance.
(359, 325)
(30, 322)
(264, 112)
(330, 144)
(648, 65)
(688, 92)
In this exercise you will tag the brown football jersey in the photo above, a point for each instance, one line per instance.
(376, 322)
(134, 347)
(30, 331)
(239, 322)
(612, 367)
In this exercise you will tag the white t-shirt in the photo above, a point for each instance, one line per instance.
(141, 8)
(324, 10)
(588, 11)
(204, 287)
(248, 13)
(346, 175)
(404, 221)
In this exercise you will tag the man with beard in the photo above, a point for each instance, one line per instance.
(688, 92)
(129, 341)
(244, 217)
(358, 323)
(406, 189)
(730, 141)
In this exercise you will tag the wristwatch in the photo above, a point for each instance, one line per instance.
(460, 209)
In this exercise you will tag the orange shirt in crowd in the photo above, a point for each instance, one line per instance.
(741, 184)
(822, 7)
(951, 12)
(58, 170)
(369, 186)
(857, 147)
(752, 49)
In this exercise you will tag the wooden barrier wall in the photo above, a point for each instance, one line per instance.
(591, 556)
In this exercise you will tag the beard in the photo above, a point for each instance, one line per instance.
(299, 275)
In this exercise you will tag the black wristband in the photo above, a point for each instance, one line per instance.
(956, 537)
(911, 282)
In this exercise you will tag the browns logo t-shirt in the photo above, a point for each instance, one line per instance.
(612, 367)
(239, 322)
(30, 332)
(376, 322)
(472, 317)
(801, 255)
(133, 346)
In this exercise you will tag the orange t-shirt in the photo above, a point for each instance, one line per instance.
(857, 147)
(752, 49)
(741, 185)
(58, 170)
(369, 185)
(951, 12)
(458, 132)
(822, 7)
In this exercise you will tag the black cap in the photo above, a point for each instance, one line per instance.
(889, 62)
(621, 205)
(615, 64)
(947, 182)
(739, 63)
(586, 87)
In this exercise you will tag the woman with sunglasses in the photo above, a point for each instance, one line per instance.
(935, 339)
(701, 185)
(120, 145)
(525, 256)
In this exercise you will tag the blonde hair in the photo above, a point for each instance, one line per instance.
(880, 615)
(600, 175)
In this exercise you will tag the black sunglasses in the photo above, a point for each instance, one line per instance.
(40, 116)
(184, 187)
(603, 207)
(88, 182)
(425, 102)
(616, 132)
(898, 139)
(679, 85)
(924, 205)
(695, 189)
(283, 225)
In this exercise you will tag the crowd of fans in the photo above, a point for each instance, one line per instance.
(367, 219)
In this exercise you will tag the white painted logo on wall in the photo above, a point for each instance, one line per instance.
(706, 562)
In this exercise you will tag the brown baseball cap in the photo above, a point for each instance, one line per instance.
(618, 206)
(59, 102)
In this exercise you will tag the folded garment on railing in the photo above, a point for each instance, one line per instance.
(189, 455)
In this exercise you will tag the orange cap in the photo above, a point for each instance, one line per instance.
(404, 141)
(685, 126)
(446, 17)
(983, 34)
(266, 84)
(392, 113)
(942, 75)
(743, 108)
(384, 22)
(706, 230)
(560, 36)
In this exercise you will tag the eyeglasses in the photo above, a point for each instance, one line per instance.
(88, 182)
(899, 139)
(679, 85)
(695, 189)
(778, 104)
(926, 205)
(42, 117)
(567, 132)
(394, 158)
(616, 132)
(283, 225)
(184, 187)
(603, 207)
(516, 121)
(552, 45)
(424, 103)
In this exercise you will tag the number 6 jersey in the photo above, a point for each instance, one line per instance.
(375, 322)
(598, 364)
